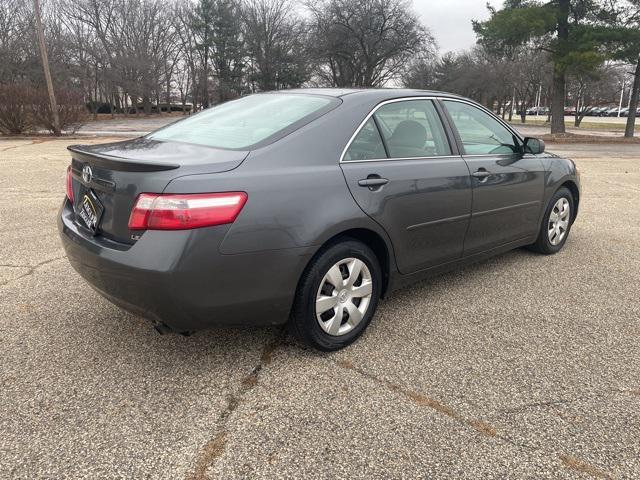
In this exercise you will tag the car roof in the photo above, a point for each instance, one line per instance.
(374, 93)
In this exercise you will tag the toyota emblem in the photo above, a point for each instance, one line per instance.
(86, 174)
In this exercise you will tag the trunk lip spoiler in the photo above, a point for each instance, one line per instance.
(118, 163)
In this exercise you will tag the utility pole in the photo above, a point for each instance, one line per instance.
(513, 103)
(45, 66)
(624, 85)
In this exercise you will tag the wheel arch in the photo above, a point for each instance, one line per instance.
(575, 193)
(370, 238)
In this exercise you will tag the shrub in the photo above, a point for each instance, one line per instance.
(72, 111)
(23, 109)
(16, 108)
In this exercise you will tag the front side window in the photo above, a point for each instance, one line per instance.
(481, 134)
(412, 128)
(245, 122)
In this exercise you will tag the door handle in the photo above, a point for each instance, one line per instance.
(481, 173)
(373, 181)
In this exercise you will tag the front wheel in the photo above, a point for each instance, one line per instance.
(337, 296)
(556, 223)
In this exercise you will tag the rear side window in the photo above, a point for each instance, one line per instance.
(481, 134)
(367, 144)
(412, 128)
(246, 122)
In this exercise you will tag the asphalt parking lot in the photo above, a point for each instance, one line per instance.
(523, 366)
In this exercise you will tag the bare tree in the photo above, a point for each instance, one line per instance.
(365, 42)
(189, 56)
(473, 73)
(528, 69)
(135, 43)
(18, 58)
(504, 83)
(593, 87)
(277, 45)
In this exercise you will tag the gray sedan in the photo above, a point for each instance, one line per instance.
(307, 206)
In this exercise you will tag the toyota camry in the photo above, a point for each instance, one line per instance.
(307, 206)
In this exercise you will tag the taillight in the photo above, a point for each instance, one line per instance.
(70, 183)
(185, 211)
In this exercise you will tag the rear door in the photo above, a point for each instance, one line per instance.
(508, 186)
(405, 173)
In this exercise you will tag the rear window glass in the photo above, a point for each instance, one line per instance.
(247, 121)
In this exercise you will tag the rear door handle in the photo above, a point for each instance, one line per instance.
(482, 173)
(373, 182)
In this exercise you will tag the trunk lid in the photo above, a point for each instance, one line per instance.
(116, 173)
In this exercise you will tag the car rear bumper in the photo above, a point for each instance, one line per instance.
(179, 280)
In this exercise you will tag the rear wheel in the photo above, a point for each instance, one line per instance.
(337, 296)
(556, 223)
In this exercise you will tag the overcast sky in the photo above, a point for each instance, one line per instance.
(450, 20)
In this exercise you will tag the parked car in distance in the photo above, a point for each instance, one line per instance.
(538, 111)
(596, 112)
(606, 111)
(588, 111)
(307, 206)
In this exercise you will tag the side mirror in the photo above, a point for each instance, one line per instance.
(533, 145)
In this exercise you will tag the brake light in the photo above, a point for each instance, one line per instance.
(185, 211)
(70, 183)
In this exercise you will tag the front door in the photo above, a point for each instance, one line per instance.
(508, 186)
(402, 171)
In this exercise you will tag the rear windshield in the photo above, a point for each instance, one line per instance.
(248, 121)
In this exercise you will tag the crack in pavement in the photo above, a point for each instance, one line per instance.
(567, 401)
(480, 426)
(214, 448)
(31, 271)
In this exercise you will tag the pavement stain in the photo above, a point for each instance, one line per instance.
(26, 307)
(267, 353)
(210, 452)
(582, 466)
(425, 401)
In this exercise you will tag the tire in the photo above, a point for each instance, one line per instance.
(337, 326)
(547, 243)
